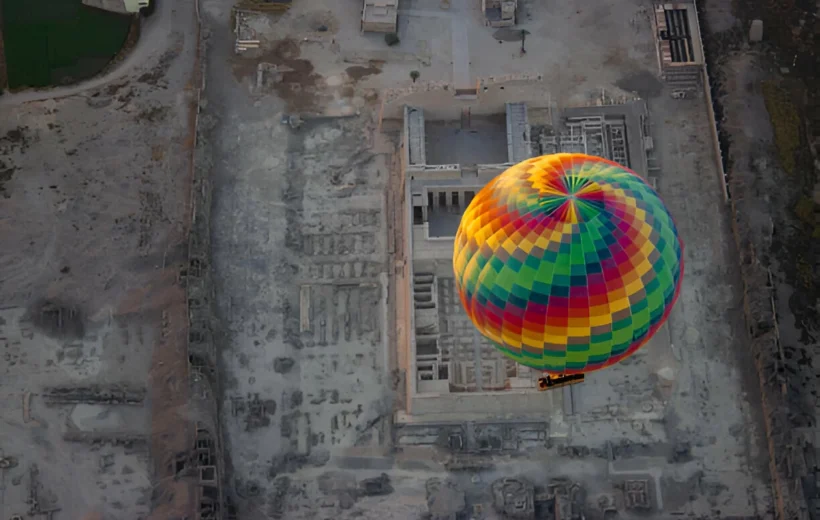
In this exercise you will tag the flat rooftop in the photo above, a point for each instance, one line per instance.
(444, 223)
(380, 11)
(481, 141)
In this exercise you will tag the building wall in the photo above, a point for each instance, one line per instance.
(410, 375)
(118, 6)
(430, 248)
(489, 403)
(378, 27)
(435, 173)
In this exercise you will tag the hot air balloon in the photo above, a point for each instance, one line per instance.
(567, 263)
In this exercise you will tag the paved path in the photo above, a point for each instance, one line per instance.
(461, 46)
(154, 37)
(457, 14)
(425, 13)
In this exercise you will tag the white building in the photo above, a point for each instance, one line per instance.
(380, 16)
(118, 6)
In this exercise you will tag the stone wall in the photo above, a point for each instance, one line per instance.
(203, 359)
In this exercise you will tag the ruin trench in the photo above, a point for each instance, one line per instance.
(184, 496)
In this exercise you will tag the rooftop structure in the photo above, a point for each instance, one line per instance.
(499, 13)
(447, 162)
(380, 16)
(678, 43)
(514, 498)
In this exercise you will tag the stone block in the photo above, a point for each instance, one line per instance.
(756, 31)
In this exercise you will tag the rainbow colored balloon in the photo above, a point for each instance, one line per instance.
(567, 263)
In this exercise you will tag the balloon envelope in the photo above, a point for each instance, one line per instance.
(567, 263)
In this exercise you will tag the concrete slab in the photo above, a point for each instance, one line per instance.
(756, 31)
(461, 46)
(101, 418)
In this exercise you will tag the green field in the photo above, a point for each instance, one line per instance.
(55, 42)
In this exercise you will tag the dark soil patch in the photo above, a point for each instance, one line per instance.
(113, 88)
(506, 34)
(298, 85)
(57, 319)
(15, 138)
(644, 83)
(155, 75)
(6, 173)
(153, 114)
(358, 72)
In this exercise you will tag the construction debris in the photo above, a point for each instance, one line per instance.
(93, 395)
(35, 496)
(256, 411)
(445, 500)
(376, 486)
(8, 462)
(27, 407)
(294, 121)
(514, 498)
(636, 494)
(245, 36)
(58, 320)
(121, 439)
(269, 74)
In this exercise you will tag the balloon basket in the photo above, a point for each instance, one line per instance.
(551, 382)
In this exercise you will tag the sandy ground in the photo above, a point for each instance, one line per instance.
(298, 230)
(92, 213)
